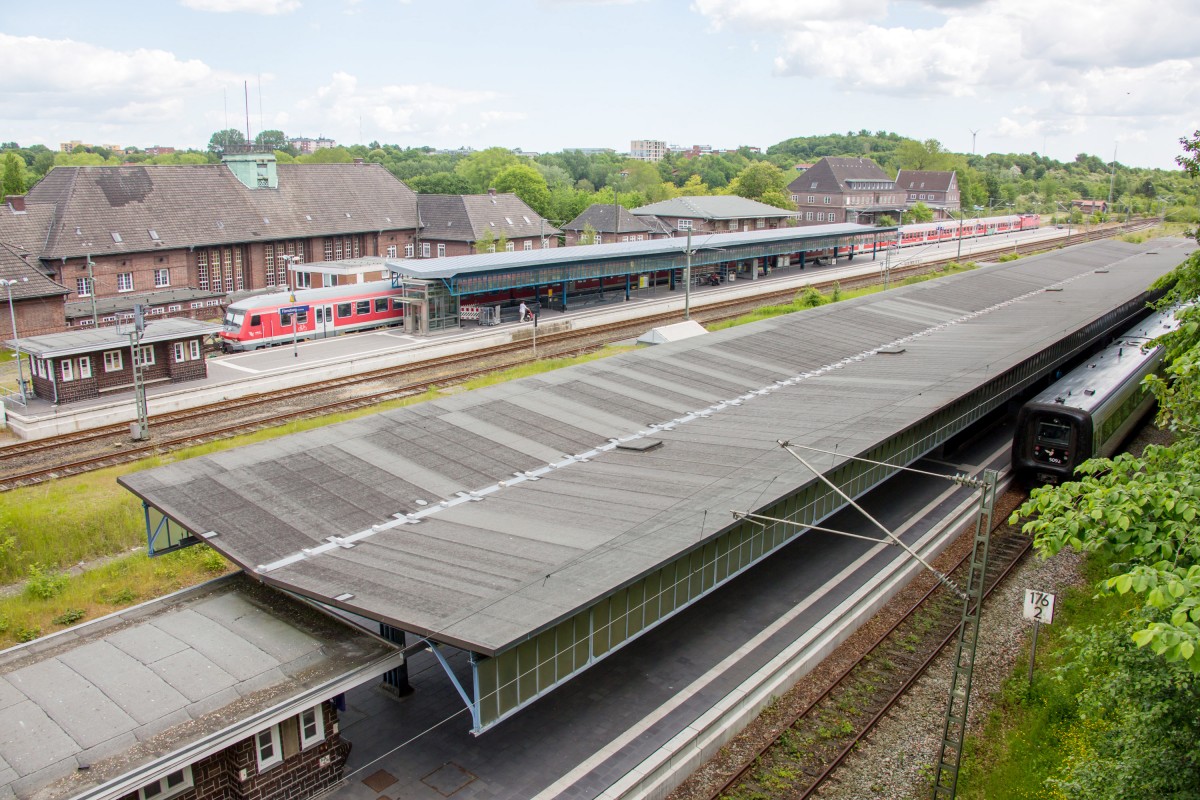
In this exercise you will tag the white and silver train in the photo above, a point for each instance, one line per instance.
(1090, 411)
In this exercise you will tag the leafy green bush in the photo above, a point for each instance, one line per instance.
(44, 584)
(810, 298)
(23, 635)
(70, 616)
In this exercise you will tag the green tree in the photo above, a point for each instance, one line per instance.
(926, 155)
(490, 243)
(588, 234)
(919, 212)
(221, 141)
(527, 183)
(13, 181)
(272, 139)
(481, 168)
(777, 198)
(756, 180)
(693, 187)
(439, 183)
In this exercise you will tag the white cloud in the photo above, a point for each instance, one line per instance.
(75, 80)
(774, 15)
(408, 109)
(265, 7)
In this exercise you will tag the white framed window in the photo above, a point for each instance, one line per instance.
(685, 224)
(196, 305)
(179, 352)
(528, 244)
(808, 215)
(795, 198)
(733, 224)
(83, 287)
(441, 250)
(820, 216)
(68, 370)
(832, 217)
(169, 785)
(545, 244)
(85, 367)
(760, 223)
(303, 280)
(812, 198)
(124, 281)
(424, 249)
(173, 307)
(826, 199)
(40, 366)
(312, 727)
(510, 246)
(391, 251)
(194, 348)
(162, 277)
(599, 239)
(409, 250)
(267, 751)
(145, 355)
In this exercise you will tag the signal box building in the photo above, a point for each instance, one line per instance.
(85, 364)
(221, 691)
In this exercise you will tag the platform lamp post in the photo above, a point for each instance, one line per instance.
(9, 284)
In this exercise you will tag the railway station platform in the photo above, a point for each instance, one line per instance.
(237, 375)
(525, 533)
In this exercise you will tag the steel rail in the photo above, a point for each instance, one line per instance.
(750, 762)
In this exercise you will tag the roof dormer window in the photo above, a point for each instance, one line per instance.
(116, 237)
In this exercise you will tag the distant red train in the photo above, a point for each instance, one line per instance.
(262, 321)
(265, 320)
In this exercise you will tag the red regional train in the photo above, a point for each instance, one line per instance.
(261, 322)
(264, 320)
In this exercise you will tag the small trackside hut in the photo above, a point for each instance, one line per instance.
(86, 364)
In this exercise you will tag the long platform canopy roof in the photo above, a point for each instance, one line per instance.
(483, 518)
(430, 268)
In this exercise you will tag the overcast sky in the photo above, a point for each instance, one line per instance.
(1053, 76)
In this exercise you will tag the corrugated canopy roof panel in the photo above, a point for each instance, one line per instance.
(482, 518)
(431, 268)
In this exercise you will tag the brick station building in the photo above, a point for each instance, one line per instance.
(84, 364)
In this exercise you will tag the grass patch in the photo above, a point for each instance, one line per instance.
(1030, 732)
(60, 523)
(120, 583)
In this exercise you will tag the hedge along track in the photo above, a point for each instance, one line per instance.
(26, 463)
(808, 748)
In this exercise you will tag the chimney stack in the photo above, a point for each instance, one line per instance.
(358, 161)
(492, 191)
(17, 201)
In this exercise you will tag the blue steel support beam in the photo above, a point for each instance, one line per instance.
(472, 705)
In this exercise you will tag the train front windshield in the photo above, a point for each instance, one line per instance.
(1051, 433)
(233, 321)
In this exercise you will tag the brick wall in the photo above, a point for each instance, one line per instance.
(217, 777)
(35, 316)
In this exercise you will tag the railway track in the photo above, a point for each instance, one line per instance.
(807, 748)
(28, 463)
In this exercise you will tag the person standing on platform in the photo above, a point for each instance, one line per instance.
(524, 311)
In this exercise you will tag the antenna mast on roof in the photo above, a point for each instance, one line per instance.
(246, 89)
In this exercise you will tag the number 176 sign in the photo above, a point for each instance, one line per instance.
(1039, 606)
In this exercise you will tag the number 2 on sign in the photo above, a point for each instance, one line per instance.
(1039, 606)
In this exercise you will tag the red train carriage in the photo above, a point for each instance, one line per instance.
(264, 320)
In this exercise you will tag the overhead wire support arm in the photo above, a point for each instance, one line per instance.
(943, 578)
